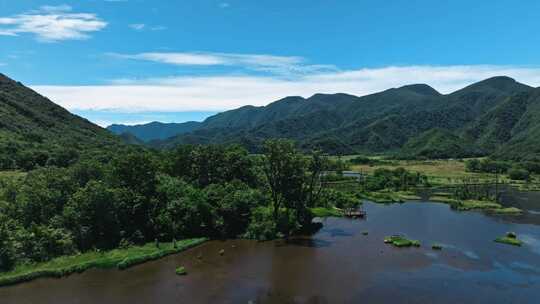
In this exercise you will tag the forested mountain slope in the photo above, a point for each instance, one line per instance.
(411, 121)
(34, 130)
(154, 130)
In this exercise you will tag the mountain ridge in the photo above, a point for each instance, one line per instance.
(376, 123)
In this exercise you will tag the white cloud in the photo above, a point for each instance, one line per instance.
(224, 5)
(158, 28)
(52, 23)
(219, 93)
(2, 64)
(137, 26)
(54, 8)
(284, 65)
(142, 26)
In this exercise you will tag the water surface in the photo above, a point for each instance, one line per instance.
(336, 265)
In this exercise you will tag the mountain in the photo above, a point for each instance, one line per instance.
(34, 130)
(155, 130)
(411, 121)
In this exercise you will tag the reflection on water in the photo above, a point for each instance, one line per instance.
(339, 264)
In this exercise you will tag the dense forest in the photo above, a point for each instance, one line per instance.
(132, 196)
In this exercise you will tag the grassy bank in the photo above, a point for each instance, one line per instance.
(117, 258)
(326, 212)
(466, 205)
(389, 196)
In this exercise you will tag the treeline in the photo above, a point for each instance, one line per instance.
(515, 170)
(398, 179)
(132, 196)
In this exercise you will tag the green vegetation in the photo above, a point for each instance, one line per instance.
(154, 130)
(509, 210)
(497, 116)
(510, 238)
(382, 197)
(181, 271)
(34, 132)
(135, 196)
(436, 247)
(466, 205)
(118, 258)
(326, 212)
(399, 241)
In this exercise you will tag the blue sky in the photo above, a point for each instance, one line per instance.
(135, 61)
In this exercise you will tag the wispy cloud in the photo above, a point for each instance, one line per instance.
(284, 65)
(158, 28)
(224, 5)
(137, 26)
(2, 64)
(227, 92)
(52, 23)
(142, 26)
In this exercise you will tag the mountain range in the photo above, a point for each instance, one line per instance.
(498, 116)
(154, 130)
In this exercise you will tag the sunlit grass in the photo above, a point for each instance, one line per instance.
(121, 258)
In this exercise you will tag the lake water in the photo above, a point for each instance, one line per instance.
(336, 265)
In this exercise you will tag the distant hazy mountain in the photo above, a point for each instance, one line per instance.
(415, 120)
(155, 130)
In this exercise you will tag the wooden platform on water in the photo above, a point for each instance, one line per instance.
(355, 213)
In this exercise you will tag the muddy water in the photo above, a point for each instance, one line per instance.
(337, 265)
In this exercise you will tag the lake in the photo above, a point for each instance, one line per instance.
(336, 265)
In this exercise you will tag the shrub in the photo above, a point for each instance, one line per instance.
(518, 174)
(181, 270)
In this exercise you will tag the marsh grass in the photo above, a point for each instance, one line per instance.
(509, 241)
(510, 238)
(399, 241)
(117, 258)
(440, 172)
(382, 197)
(436, 247)
(181, 271)
(326, 212)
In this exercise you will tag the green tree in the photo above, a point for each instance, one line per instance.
(91, 215)
(285, 171)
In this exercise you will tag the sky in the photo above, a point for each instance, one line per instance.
(136, 61)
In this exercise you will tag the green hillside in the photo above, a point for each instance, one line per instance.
(412, 121)
(36, 131)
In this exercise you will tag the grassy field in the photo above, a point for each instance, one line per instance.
(439, 172)
(11, 174)
(117, 258)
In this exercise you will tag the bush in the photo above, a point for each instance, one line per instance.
(262, 226)
(7, 254)
(339, 199)
(518, 174)
(181, 270)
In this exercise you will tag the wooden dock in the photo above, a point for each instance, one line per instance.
(352, 213)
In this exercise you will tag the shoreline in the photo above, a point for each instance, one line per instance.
(116, 258)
